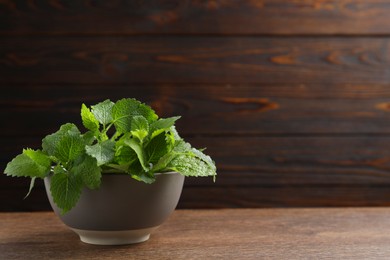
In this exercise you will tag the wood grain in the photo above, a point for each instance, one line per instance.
(284, 195)
(240, 60)
(343, 233)
(291, 97)
(282, 160)
(233, 110)
(280, 17)
(219, 196)
(263, 172)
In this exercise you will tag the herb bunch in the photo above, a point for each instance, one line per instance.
(125, 137)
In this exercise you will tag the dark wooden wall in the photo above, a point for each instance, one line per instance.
(292, 98)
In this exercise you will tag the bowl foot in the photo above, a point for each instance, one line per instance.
(122, 237)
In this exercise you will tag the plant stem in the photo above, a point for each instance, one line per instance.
(116, 134)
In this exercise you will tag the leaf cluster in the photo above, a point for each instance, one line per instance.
(125, 137)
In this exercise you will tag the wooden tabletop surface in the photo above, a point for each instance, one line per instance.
(319, 233)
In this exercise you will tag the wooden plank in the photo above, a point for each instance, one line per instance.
(341, 233)
(281, 17)
(275, 161)
(324, 160)
(11, 199)
(200, 197)
(210, 109)
(285, 196)
(196, 60)
(266, 172)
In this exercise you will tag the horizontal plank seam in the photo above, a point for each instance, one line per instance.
(250, 135)
(251, 186)
(180, 84)
(200, 35)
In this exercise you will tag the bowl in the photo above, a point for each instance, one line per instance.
(122, 210)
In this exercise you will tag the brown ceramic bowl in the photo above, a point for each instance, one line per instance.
(122, 210)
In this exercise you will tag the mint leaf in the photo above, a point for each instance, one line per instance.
(147, 112)
(69, 147)
(88, 137)
(174, 132)
(162, 163)
(103, 111)
(181, 146)
(125, 155)
(50, 142)
(103, 152)
(123, 112)
(188, 165)
(162, 124)
(139, 127)
(186, 160)
(29, 164)
(89, 171)
(205, 158)
(138, 173)
(138, 150)
(157, 147)
(65, 189)
(38, 157)
(125, 109)
(88, 118)
(115, 168)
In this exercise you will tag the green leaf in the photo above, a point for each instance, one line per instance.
(188, 165)
(115, 168)
(88, 118)
(29, 164)
(89, 138)
(139, 151)
(186, 160)
(70, 146)
(170, 139)
(65, 189)
(103, 152)
(162, 163)
(126, 109)
(59, 169)
(138, 173)
(181, 146)
(50, 142)
(38, 157)
(89, 171)
(140, 127)
(162, 124)
(125, 155)
(103, 111)
(157, 147)
(123, 112)
(174, 132)
(207, 159)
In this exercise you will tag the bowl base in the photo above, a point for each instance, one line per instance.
(122, 237)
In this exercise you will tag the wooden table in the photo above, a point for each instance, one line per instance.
(321, 233)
